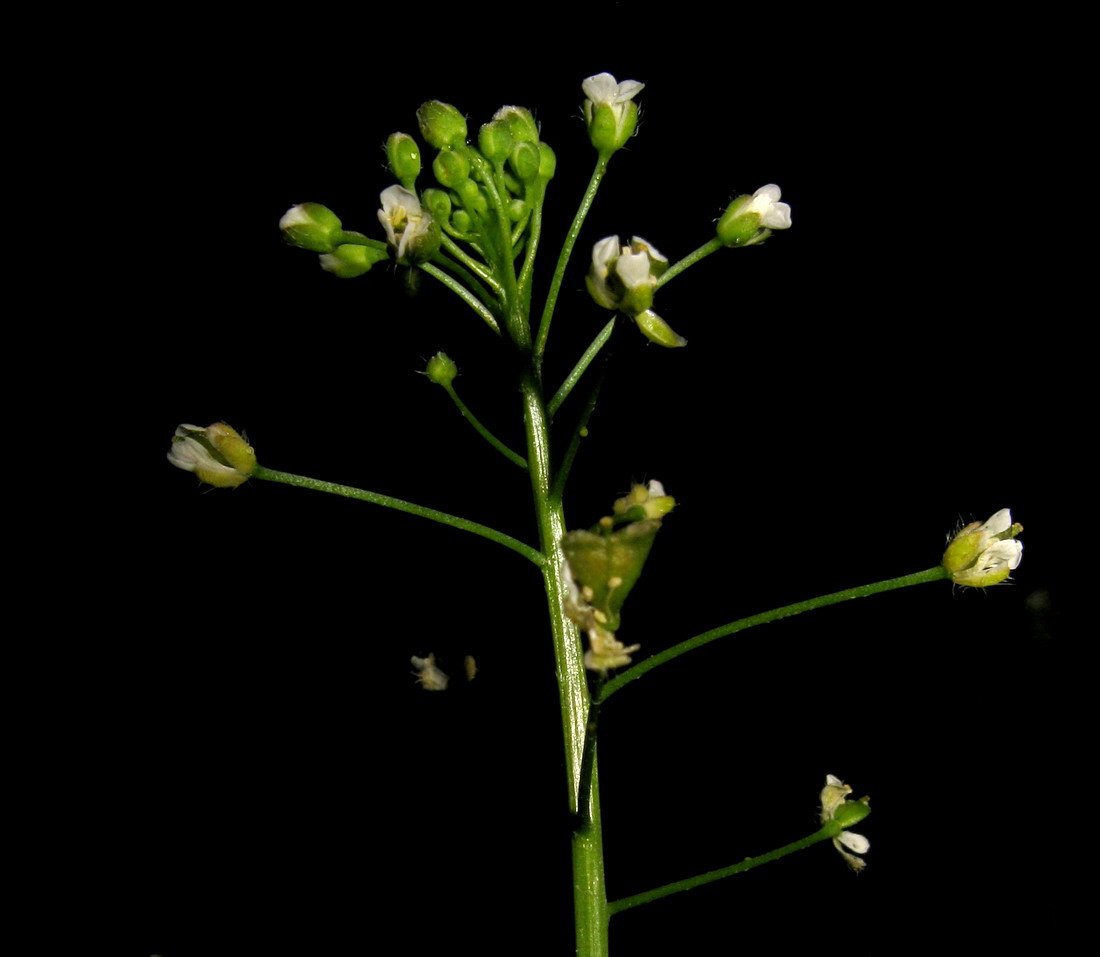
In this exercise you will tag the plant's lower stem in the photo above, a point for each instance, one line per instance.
(589, 887)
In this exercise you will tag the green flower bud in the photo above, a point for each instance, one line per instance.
(351, 260)
(473, 198)
(517, 209)
(461, 221)
(441, 369)
(520, 123)
(451, 168)
(403, 155)
(218, 455)
(644, 501)
(548, 163)
(495, 141)
(524, 161)
(438, 203)
(311, 226)
(441, 124)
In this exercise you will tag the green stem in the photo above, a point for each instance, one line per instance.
(472, 282)
(589, 887)
(832, 829)
(566, 252)
(575, 443)
(464, 294)
(444, 518)
(690, 260)
(472, 264)
(503, 449)
(579, 369)
(917, 578)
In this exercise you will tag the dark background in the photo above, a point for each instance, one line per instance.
(254, 768)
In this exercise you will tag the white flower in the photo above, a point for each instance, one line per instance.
(428, 674)
(218, 455)
(833, 797)
(625, 276)
(985, 554)
(403, 219)
(612, 99)
(765, 203)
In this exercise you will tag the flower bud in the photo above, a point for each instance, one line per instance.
(441, 369)
(451, 168)
(441, 124)
(644, 501)
(437, 203)
(495, 142)
(403, 156)
(521, 124)
(350, 260)
(218, 455)
(524, 161)
(311, 226)
(749, 220)
(548, 163)
(609, 112)
(985, 554)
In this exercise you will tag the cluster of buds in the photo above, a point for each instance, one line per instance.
(503, 177)
(603, 565)
(624, 277)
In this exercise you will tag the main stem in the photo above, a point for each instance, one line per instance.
(589, 887)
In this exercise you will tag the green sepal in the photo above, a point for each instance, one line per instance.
(596, 559)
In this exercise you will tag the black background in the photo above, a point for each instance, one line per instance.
(253, 767)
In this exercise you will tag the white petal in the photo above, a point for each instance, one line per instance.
(854, 842)
(394, 196)
(633, 269)
(601, 88)
(778, 217)
(997, 522)
(604, 253)
(771, 192)
(833, 781)
(656, 489)
(295, 216)
(627, 90)
(637, 244)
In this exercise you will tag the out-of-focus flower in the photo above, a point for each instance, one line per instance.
(311, 226)
(428, 674)
(218, 455)
(836, 807)
(644, 501)
(985, 554)
(609, 112)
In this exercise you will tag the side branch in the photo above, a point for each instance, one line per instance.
(832, 829)
(444, 518)
(917, 578)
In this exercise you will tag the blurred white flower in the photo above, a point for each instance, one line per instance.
(985, 554)
(405, 222)
(833, 798)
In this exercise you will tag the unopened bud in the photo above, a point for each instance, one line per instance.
(311, 226)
